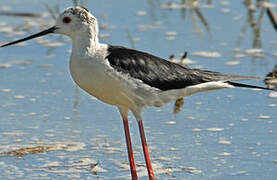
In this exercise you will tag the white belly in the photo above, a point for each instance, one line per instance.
(93, 77)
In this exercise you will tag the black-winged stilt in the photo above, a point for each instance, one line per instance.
(127, 78)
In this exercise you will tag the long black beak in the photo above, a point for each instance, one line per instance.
(42, 33)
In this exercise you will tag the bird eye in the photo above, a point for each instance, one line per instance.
(66, 20)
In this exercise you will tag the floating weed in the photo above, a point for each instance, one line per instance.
(262, 116)
(224, 154)
(211, 54)
(225, 142)
(170, 123)
(5, 65)
(272, 95)
(215, 129)
(28, 150)
(67, 146)
(191, 170)
(141, 13)
(233, 63)
(6, 90)
(196, 130)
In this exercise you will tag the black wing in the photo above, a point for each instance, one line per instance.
(160, 73)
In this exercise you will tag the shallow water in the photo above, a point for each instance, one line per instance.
(227, 134)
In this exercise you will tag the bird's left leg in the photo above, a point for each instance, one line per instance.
(144, 146)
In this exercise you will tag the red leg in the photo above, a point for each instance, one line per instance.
(146, 152)
(129, 148)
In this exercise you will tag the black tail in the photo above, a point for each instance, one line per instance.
(249, 86)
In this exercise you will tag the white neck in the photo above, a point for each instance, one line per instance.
(85, 42)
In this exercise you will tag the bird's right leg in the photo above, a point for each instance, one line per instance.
(124, 114)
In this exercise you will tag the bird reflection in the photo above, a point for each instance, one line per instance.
(272, 17)
(255, 8)
(196, 14)
(194, 8)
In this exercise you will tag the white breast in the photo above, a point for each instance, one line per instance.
(99, 79)
(96, 77)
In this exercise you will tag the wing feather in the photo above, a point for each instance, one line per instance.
(160, 73)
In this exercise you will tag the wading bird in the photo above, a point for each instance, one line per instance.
(129, 79)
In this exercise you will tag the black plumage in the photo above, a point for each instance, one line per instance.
(160, 73)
